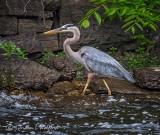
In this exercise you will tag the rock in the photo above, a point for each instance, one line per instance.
(33, 43)
(148, 78)
(28, 74)
(48, 15)
(26, 8)
(8, 25)
(51, 5)
(30, 25)
(26, 42)
(103, 36)
(62, 87)
(117, 86)
(64, 66)
(3, 7)
(49, 43)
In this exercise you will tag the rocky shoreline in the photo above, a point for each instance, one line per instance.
(22, 22)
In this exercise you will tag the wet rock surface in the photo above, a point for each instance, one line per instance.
(117, 86)
(62, 88)
(148, 78)
(97, 87)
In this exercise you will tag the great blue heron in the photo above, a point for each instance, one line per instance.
(95, 61)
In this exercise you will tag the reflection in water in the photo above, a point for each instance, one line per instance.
(86, 115)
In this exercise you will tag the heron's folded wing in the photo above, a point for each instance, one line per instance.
(101, 63)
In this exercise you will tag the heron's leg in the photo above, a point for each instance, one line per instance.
(109, 91)
(89, 78)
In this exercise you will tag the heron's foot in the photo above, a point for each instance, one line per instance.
(86, 92)
(109, 94)
(83, 93)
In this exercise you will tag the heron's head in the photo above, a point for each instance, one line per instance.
(64, 28)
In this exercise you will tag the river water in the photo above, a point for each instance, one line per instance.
(80, 115)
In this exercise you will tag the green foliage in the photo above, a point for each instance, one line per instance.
(4, 81)
(46, 56)
(140, 59)
(112, 50)
(10, 48)
(61, 54)
(142, 40)
(79, 76)
(135, 14)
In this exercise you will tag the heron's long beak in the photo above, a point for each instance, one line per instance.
(52, 32)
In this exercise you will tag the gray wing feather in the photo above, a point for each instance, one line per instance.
(103, 64)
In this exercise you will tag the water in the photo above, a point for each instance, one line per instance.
(82, 115)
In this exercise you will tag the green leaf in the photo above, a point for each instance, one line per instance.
(128, 23)
(112, 11)
(90, 11)
(153, 26)
(119, 15)
(139, 26)
(86, 23)
(98, 17)
(105, 7)
(133, 29)
(152, 5)
(124, 11)
(130, 18)
(121, 0)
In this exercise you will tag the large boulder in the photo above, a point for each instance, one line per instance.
(8, 25)
(27, 74)
(148, 77)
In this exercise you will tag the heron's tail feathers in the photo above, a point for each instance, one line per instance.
(129, 77)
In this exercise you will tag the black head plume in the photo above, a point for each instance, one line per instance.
(68, 25)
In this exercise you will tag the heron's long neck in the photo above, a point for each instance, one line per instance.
(69, 41)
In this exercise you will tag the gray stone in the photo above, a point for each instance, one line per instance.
(48, 15)
(64, 66)
(116, 86)
(28, 74)
(26, 7)
(26, 42)
(30, 25)
(3, 7)
(8, 25)
(148, 78)
(51, 5)
(49, 43)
